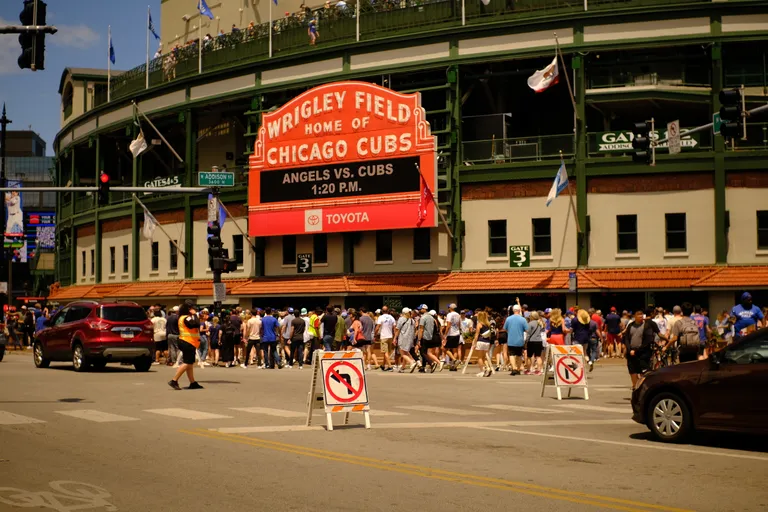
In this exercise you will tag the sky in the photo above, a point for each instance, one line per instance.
(32, 97)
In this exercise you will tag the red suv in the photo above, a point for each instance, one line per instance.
(96, 333)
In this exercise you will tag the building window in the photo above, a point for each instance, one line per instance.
(497, 238)
(762, 229)
(626, 228)
(93, 262)
(125, 259)
(384, 245)
(155, 255)
(320, 248)
(174, 254)
(112, 260)
(421, 244)
(676, 237)
(289, 250)
(83, 274)
(542, 236)
(237, 245)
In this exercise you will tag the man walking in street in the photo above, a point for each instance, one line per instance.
(385, 326)
(328, 321)
(189, 342)
(515, 325)
(269, 333)
(285, 333)
(452, 334)
(687, 335)
(172, 331)
(639, 337)
(253, 331)
(429, 339)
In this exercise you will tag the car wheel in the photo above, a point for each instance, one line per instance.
(669, 418)
(40, 360)
(99, 365)
(142, 364)
(79, 361)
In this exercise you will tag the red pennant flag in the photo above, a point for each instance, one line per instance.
(424, 200)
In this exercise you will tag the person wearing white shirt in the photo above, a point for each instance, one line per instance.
(452, 335)
(385, 328)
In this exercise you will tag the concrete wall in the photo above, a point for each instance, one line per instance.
(274, 256)
(518, 213)
(116, 239)
(163, 272)
(84, 246)
(650, 209)
(743, 204)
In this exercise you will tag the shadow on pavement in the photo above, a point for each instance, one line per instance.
(113, 368)
(65, 400)
(725, 440)
(218, 381)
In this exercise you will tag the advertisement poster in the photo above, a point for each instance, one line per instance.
(40, 232)
(14, 223)
(345, 156)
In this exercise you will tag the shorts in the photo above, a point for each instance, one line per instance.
(514, 351)
(638, 365)
(431, 343)
(535, 348)
(385, 345)
(557, 339)
(362, 343)
(188, 352)
(162, 346)
(483, 345)
(611, 338)
(452, 341)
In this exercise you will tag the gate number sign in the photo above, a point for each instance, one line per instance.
(519, 256)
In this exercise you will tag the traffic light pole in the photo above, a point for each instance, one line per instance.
(708, 126)
(4, 121)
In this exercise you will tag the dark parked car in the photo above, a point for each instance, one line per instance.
(724, 392)
(96, 333)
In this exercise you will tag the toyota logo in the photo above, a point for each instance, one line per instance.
(313, 220)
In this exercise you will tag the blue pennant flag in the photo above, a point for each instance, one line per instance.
(222, 214)
(560, 184)
(204, 9)
(111, 51)
(275, 1)
(152, 27)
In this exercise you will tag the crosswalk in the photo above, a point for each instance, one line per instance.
(483, 412)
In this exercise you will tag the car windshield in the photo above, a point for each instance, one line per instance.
(122, 313)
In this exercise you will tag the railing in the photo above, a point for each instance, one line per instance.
(757, 138)
(502, 151)
(377, 18)
(615, 78)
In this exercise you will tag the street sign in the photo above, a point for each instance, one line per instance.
(716, 123)
(213, 209)
(304, 263)
(573, 282)
(341, 376)
(519, 256)
(673, 132)
(219, 292)
(565, 368)
(569, 370)
(216, 179)
(621, 142)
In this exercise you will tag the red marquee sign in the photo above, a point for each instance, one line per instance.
(345, 156)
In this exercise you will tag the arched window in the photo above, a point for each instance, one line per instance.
(66, 100)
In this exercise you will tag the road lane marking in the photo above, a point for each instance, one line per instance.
(648, 445)
(585, 407)
(282, 413)
(449, 424)
(8, 418)
(95, 416)
(439, 474)
(187, 414)
(442, 410)
(379, 412)
(519, 408)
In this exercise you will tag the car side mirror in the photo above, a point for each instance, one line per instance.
(756, 358)
(714, 360)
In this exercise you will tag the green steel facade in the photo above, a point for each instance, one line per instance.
(671, 62)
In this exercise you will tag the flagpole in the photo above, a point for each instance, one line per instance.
(158, 132)
(570, 196)
(558, 53)
(270, 28)
(109, 63)
(174, 242)
(442, 217)
(463, 13)
(146, 81)
(200, 45)
(357, 21)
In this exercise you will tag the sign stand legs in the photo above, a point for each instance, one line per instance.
(469, 357)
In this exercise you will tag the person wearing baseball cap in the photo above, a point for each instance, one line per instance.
(452, 337)
(428, 336)
(748, 316)
(612, 327)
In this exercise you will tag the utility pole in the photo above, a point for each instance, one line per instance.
(4, 121)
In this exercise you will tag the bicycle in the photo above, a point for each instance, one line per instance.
(662, 358)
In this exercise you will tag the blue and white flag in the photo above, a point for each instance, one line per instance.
(275, 1)
(152, 27)
(111, 50)
(560, 183)
(204, 9)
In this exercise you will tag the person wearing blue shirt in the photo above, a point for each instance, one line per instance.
(515, 325)
(269, 327)
(748, 316)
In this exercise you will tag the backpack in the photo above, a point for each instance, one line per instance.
(689, 338)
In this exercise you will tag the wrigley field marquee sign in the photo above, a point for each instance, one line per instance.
(345, 156)
(621, 142)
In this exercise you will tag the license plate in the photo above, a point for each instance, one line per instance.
(126, 334)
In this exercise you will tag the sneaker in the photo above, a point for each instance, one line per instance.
(243, 366)
(422, 370)
(288, 366)
(201, 364)
(195, 385)
(442, 364)
(174, 384)
(262, 367)
(413, 366)
(514, 372)
(480, 374)
(175, 366)
(591, 366)
(301, 367)
(488, 373)
(156, 362)
(433, 367)
(388, 369)
(206, 363)
(368, 368)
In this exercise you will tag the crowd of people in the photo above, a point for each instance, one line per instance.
(425, 340)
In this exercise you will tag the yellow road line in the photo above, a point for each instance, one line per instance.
(439, 474)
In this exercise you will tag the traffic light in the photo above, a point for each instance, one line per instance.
(641, 142)
(731, 113)
(219, 257)
(102, 197)
(32, 43)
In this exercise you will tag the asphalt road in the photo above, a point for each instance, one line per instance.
(121, 440)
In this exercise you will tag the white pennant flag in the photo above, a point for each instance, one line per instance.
(150, 223)
(545, 78)
(139, 145)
